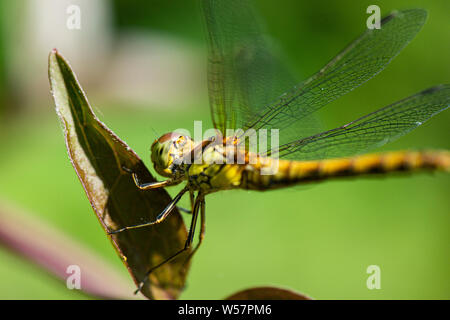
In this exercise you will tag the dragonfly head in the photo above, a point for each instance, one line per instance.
(168, 151)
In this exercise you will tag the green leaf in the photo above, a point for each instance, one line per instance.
(98, 157)
(267, 293)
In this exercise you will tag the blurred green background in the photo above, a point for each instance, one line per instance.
(141, 64)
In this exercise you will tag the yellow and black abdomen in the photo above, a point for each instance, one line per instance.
(296, 172)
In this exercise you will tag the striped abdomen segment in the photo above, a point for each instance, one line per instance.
(296, 172)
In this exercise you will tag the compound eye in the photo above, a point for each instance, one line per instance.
(181, 141)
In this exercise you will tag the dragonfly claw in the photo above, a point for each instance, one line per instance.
(127, 169)
(111, 232)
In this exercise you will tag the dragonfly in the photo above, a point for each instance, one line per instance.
(250, 89)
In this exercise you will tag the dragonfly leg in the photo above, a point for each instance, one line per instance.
(184, 210)
(192, 198)
(202, 231)
(151, 185)
(187, 244)
(159, 218)
(148, 185)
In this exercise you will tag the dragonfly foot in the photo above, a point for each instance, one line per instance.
(127, 169)
(110, 232)
(140, 286)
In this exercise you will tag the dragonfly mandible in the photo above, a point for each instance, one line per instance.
(249, 88)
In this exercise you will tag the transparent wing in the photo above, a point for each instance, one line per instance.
(372, 130)
(244, 74)
(360, 61)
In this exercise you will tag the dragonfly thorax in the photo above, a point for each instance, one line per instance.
(168, 151)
